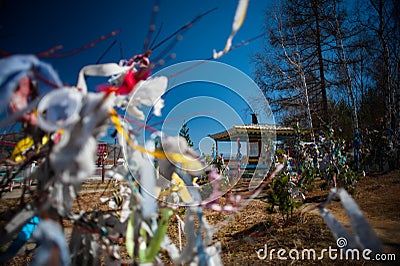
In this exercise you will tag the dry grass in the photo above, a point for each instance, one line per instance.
(253, 228)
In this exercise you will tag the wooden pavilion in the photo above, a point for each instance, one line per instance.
(254, 135)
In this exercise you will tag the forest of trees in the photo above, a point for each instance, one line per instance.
(333, 63)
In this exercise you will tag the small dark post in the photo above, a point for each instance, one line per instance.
(115, 151)
(254, 119)
(103, 170)
(102, 152)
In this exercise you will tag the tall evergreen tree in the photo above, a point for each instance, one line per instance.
(184, 132)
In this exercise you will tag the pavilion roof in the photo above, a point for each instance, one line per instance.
(252, 130)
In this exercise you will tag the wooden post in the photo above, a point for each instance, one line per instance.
(103, 170)
(102, 153)
(115, 150)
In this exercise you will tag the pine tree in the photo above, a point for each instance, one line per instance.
(184, 132)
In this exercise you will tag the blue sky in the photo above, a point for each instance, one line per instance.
(36, 26)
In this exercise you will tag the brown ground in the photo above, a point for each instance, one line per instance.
(253, 227)
(377, 196)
